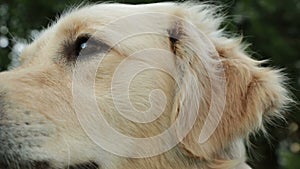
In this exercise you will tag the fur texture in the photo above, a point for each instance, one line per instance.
(38, 122)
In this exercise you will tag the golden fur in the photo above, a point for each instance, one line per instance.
(37, 98)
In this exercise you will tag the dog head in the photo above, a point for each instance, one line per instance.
(143, 86)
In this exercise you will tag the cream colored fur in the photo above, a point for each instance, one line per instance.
(42, 86)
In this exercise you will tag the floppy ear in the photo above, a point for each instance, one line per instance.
(246, 94)
(255, 94)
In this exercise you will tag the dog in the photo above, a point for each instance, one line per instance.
(154, 86)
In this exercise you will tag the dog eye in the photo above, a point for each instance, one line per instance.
(81, 43)
(86, 46)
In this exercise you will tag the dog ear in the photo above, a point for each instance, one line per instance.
(231, 93)
(255, 94)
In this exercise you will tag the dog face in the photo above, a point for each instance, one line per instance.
(145, 86)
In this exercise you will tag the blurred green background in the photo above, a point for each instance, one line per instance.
(270, 26)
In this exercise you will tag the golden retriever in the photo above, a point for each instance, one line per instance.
(156, 86)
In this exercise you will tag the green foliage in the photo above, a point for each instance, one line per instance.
(290, 160)
(271, 27)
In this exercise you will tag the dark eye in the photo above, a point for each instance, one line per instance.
(84, 47)
(89, 46)
(81, 43)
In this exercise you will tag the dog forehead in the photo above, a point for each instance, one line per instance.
(83, 18)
